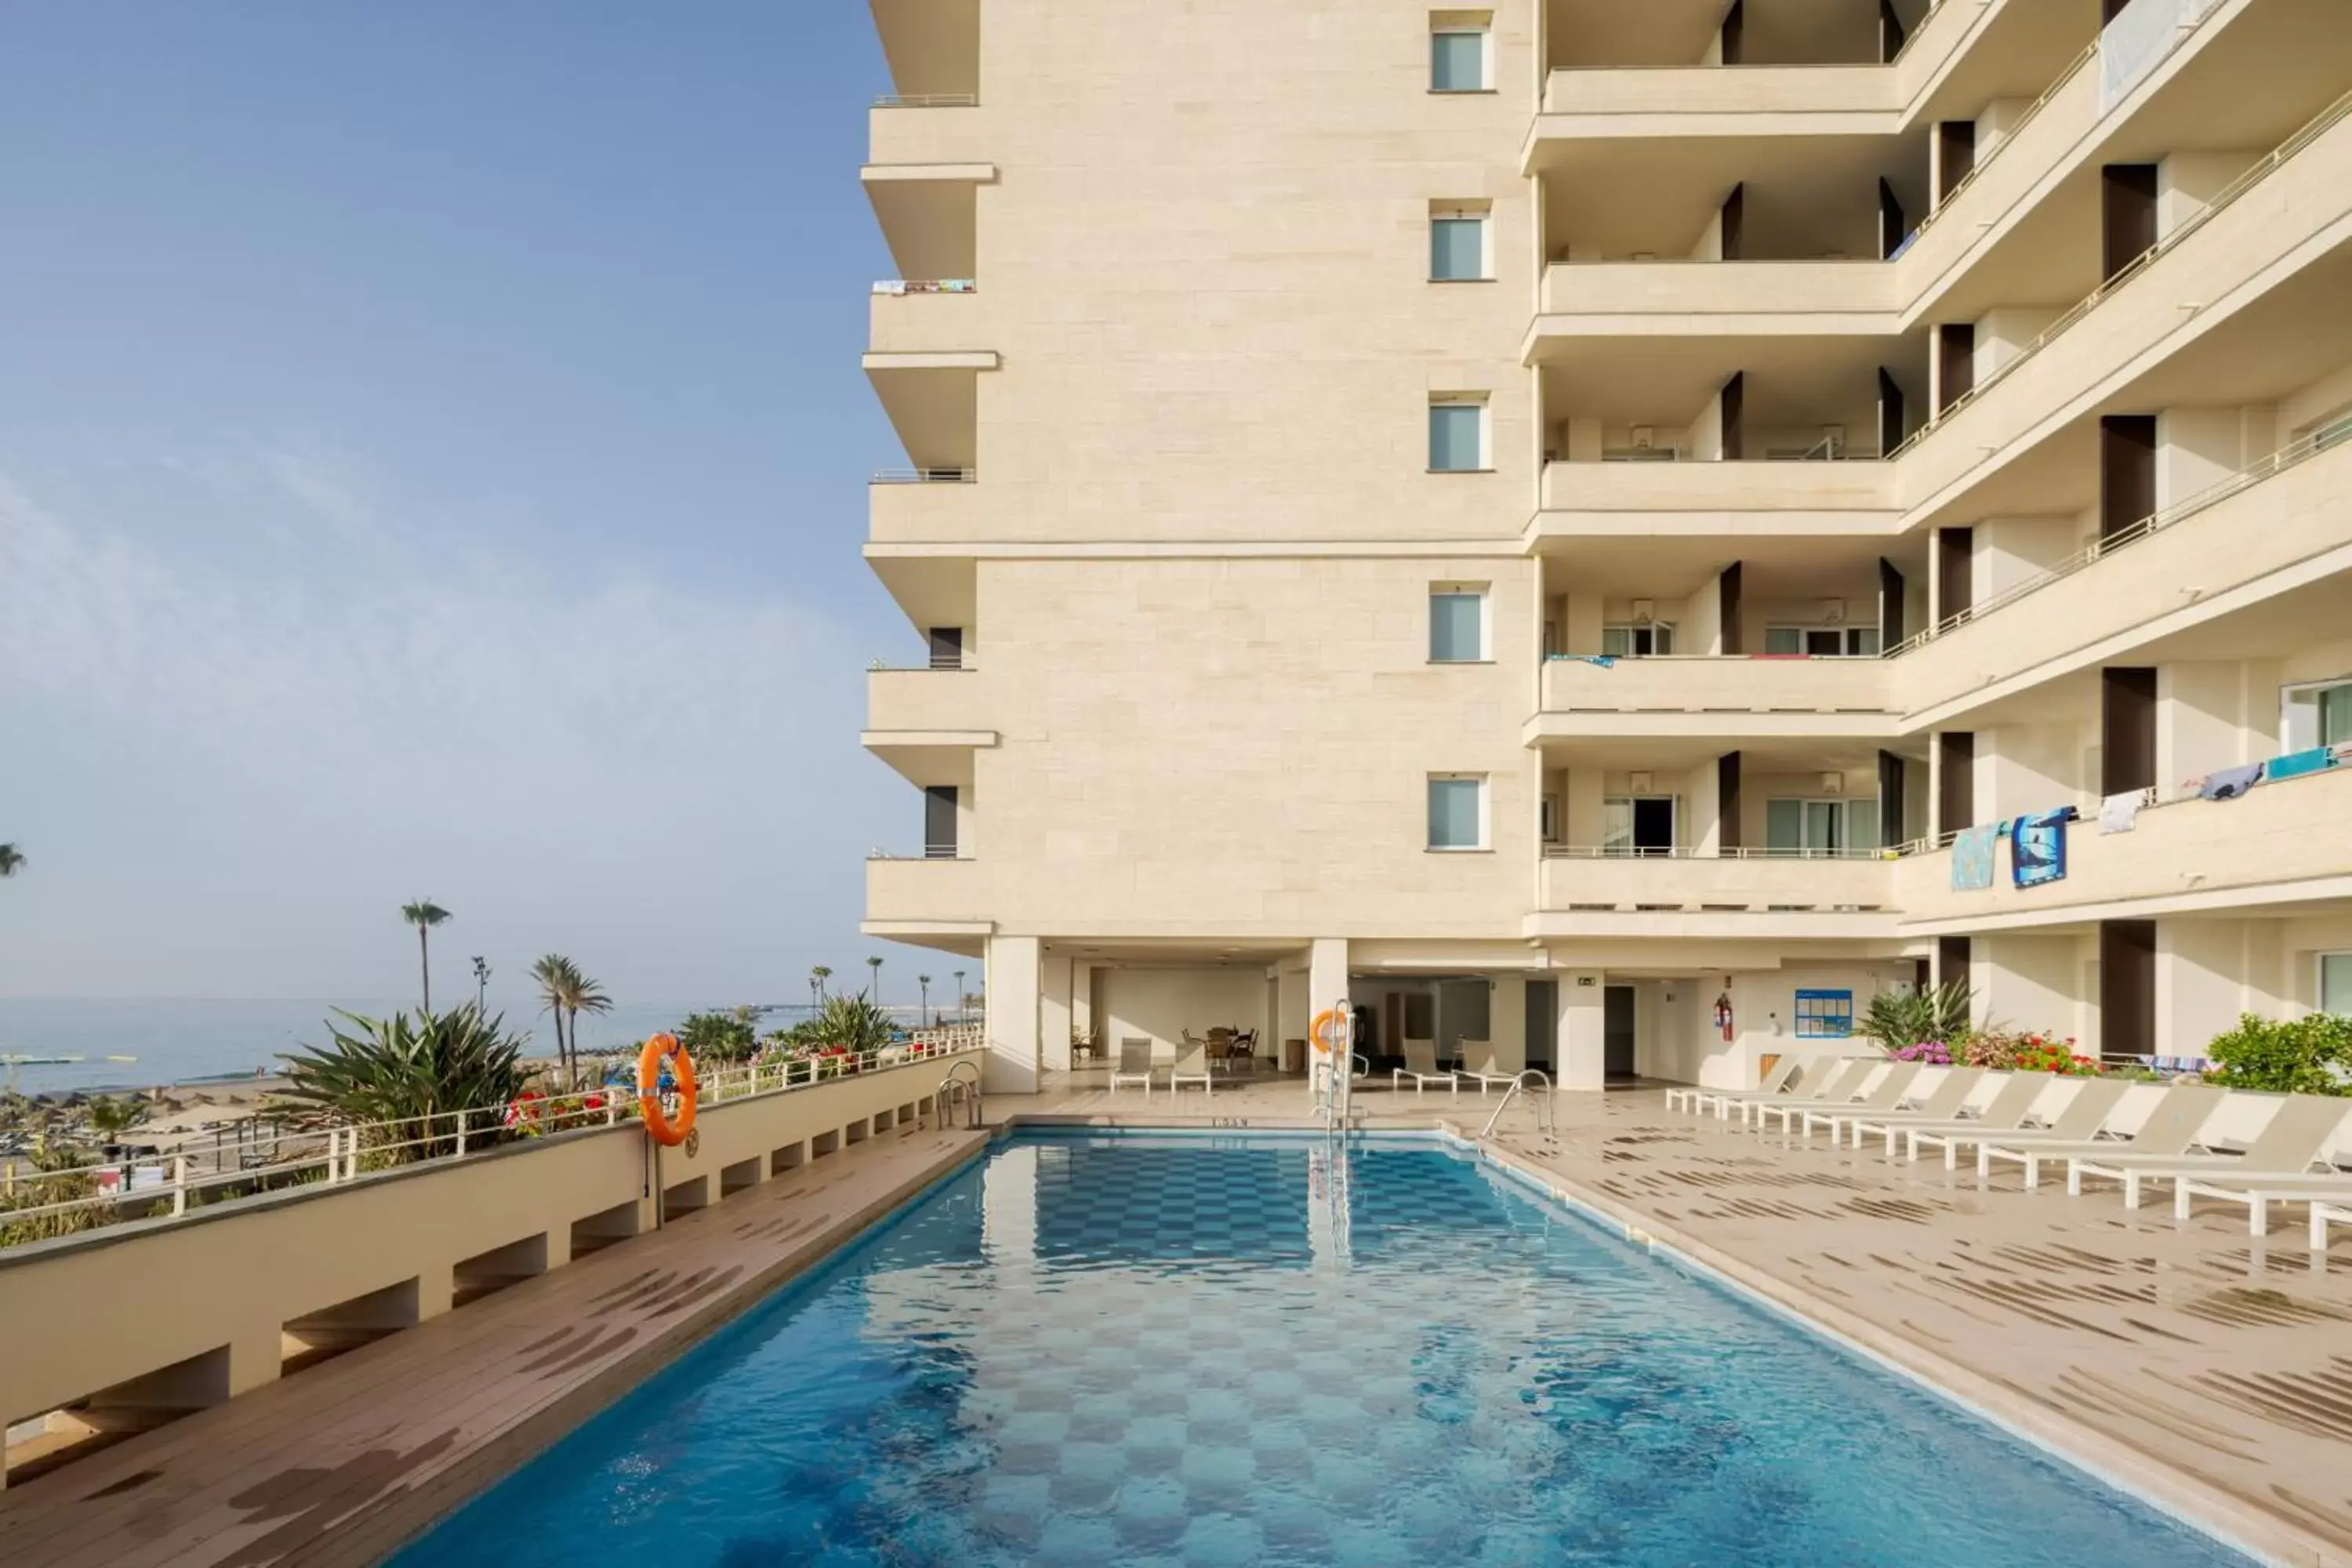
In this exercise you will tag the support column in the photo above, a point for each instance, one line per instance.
(1582, 1048)
(1056, 988)
(1507, 1021)
(1326, 986)
(1012, 1065)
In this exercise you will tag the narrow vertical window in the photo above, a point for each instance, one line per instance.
(1457, 53)
(1457, 435)
(2336, 984)
(1458, 812)
(1457, 625)
(1457, 246)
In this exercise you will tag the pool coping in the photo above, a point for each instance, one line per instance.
(2216, 1512)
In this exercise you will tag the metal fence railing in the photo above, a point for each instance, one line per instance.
(924, 477)
(171, 1186)
(927, 101)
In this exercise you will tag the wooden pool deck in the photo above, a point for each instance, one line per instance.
(2206, 1369)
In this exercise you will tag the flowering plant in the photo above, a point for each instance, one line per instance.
(1934, 1053)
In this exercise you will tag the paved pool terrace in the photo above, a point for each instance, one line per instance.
(2205, 1371)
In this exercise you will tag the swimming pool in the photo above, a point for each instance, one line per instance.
(1143, 1349)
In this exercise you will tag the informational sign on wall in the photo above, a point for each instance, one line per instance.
(1824, 1015)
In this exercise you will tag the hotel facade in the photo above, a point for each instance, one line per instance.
(1617, 531)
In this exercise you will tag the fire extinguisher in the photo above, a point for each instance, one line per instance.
(1723, 1013)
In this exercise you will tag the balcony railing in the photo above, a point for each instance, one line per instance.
(1596, 880)
(925, 477)
(895, 287)
(1724, 684)
(2229, 195)
(927, 101)
(2291, 456)
(2083, 62)
(1650, 852)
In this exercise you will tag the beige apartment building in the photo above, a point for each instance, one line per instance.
(1548, 518)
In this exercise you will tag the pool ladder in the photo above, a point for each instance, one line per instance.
(957, 1087)
(1547, 1114)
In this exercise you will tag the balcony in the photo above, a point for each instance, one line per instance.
(1586, 892)
(914, 506)
(2282, 844)
(2286, 222)
(926, 317)
(1855, 496)
(1716, 101)
(939, 131)
(2278, 527)
(1666, 695)
(927, 896)
(1712, 298)
(925, 701)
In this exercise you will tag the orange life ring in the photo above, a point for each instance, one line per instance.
(659, 1125)
(1329, 1028)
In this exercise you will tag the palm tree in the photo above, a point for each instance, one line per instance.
(959, 980)
(424, 914)
(924, 981)
(10, 859)
(818, 976)
(581, 994)
(553, 974)
(875, 990)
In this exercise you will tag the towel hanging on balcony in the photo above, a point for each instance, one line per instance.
(2298, 762)
(2230, 782)
(1972, 857)
(2037, 848)
(2120, 813)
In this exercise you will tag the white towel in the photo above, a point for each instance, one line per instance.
(2120, 813)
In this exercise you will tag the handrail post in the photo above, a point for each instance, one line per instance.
(179, 1185)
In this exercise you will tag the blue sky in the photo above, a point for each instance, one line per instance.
(432, 461)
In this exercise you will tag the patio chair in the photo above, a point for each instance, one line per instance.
(1134, 1064)
(2169, 1130)
(1421, 1066)
(1942, 1103)
(1786, 1074)
(2006, 1111)
(1844, 1093)
(2258, 1193)
(1191, 1067)
(2322, 1216)
(1220, 1046)
(1479, 1059)
(1832, 1081)
(2286, 1148)
(1244, 1050)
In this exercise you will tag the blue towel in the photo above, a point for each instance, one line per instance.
(2298, 762)
(2230, 782)
(1605, 660)
(1972, 857)
(2037, 848)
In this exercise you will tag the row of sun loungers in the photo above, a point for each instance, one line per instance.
(1862, 1097)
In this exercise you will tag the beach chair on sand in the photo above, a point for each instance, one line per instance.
(2169, 1130)
(2286, 1148)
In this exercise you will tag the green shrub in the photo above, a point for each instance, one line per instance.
(2290, 1055)
(1897, 1019)
(717, 1037)
(410, 1066)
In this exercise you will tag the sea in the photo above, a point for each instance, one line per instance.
(141, 1044)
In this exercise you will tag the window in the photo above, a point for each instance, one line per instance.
(1457, 624)
(1803, 828)
(2316, 715)
(1823, 642)
(1457, 811)
(1457, 53)
(1637, 641)
(2336, 984)
(1824, 1015)
(1457, 435)
(1457, 246)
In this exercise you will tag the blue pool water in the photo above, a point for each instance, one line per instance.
(1142, 1349)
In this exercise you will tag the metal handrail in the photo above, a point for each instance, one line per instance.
(927, 101)
(2293, 455)
(924, 477)
(957, 853)
(975, 1097)
(1681, 852)
(1546, 1113)
(2227, 197)
(2082, 63)
(446, 1136)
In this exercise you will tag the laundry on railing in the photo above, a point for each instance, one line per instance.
(2297, 764)
(1605, 660)
(1972, 857)
(890, 285)
(2228, 784)
(2037, 846)
(2120, 813)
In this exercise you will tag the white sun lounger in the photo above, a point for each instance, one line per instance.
(2322, 1216)
(1134, 1064)
(1783, 1074)
(2259, 1192)
(2005, 1112)
(2287, 1147)
(2169, 1130)
(1831, 1082)
(1886, 1096)
(1942, 1104)
(1479, 1056)
(1191, 1067)
(1421, 1066)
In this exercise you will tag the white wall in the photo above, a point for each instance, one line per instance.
(1161, 1003)
(2007, 550)
(2028, 982)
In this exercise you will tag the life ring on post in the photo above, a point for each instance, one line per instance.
(660, 1126)
(1328, 1032)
